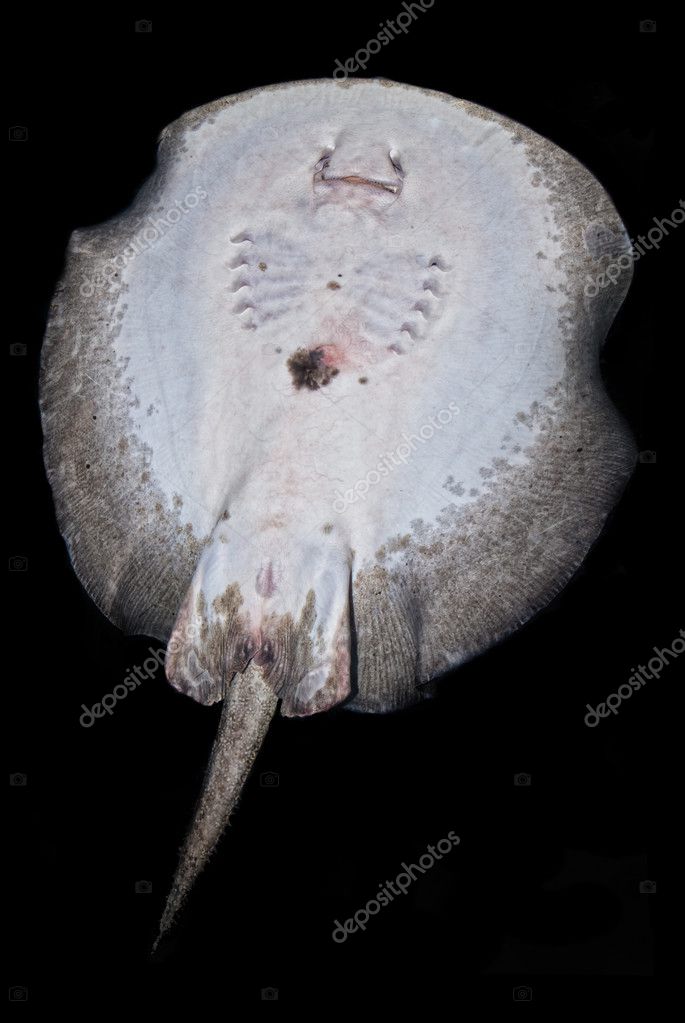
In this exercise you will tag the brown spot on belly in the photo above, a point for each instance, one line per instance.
(309, 368)
(333, 285)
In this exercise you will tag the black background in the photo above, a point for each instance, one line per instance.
(543, 889)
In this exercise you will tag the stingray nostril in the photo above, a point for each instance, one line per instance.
(394, 158)
(325, 158)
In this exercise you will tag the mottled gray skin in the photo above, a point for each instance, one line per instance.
(246, 714)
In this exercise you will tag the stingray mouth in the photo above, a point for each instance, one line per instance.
(393, 185)
(363, 175)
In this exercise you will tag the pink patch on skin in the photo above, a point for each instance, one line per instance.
(266, 581)
(347, 348)
(333, 356)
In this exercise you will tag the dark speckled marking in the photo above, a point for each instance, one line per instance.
(209, 646)
(308, 369)
(454, 487)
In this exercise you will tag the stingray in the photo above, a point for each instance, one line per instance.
(322, 410)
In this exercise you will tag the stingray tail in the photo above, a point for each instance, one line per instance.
(247, 712)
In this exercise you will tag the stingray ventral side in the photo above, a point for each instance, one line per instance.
(312, 403)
